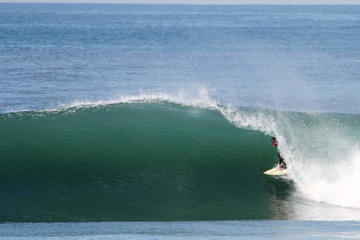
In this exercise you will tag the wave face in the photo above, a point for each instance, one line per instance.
(160, 160)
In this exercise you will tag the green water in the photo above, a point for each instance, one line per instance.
(133, 162)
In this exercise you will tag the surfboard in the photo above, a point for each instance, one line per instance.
(276, 172)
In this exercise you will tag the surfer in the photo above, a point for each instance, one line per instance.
(281, 163)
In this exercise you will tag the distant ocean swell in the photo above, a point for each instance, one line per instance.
(163, 158)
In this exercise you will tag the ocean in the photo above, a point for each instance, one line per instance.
(154, 121)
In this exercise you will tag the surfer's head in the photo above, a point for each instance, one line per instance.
(274, 142)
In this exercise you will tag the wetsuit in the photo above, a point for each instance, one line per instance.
(281, 162)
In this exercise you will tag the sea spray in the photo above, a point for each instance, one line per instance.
(322, 150)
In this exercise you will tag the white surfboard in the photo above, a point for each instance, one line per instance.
(276, 171)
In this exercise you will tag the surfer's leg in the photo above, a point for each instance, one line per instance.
(283, 165)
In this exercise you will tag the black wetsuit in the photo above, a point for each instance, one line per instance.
(281, 162)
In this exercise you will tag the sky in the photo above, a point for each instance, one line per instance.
(310, 2)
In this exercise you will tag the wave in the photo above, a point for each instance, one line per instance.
(162, 157)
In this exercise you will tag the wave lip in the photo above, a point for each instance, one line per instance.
(200, 99)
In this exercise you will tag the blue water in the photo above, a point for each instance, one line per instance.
(281, 57)
(221, 230)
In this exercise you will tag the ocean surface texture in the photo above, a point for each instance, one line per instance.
(154, 121)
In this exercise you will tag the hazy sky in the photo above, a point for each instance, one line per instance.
(198, 1)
